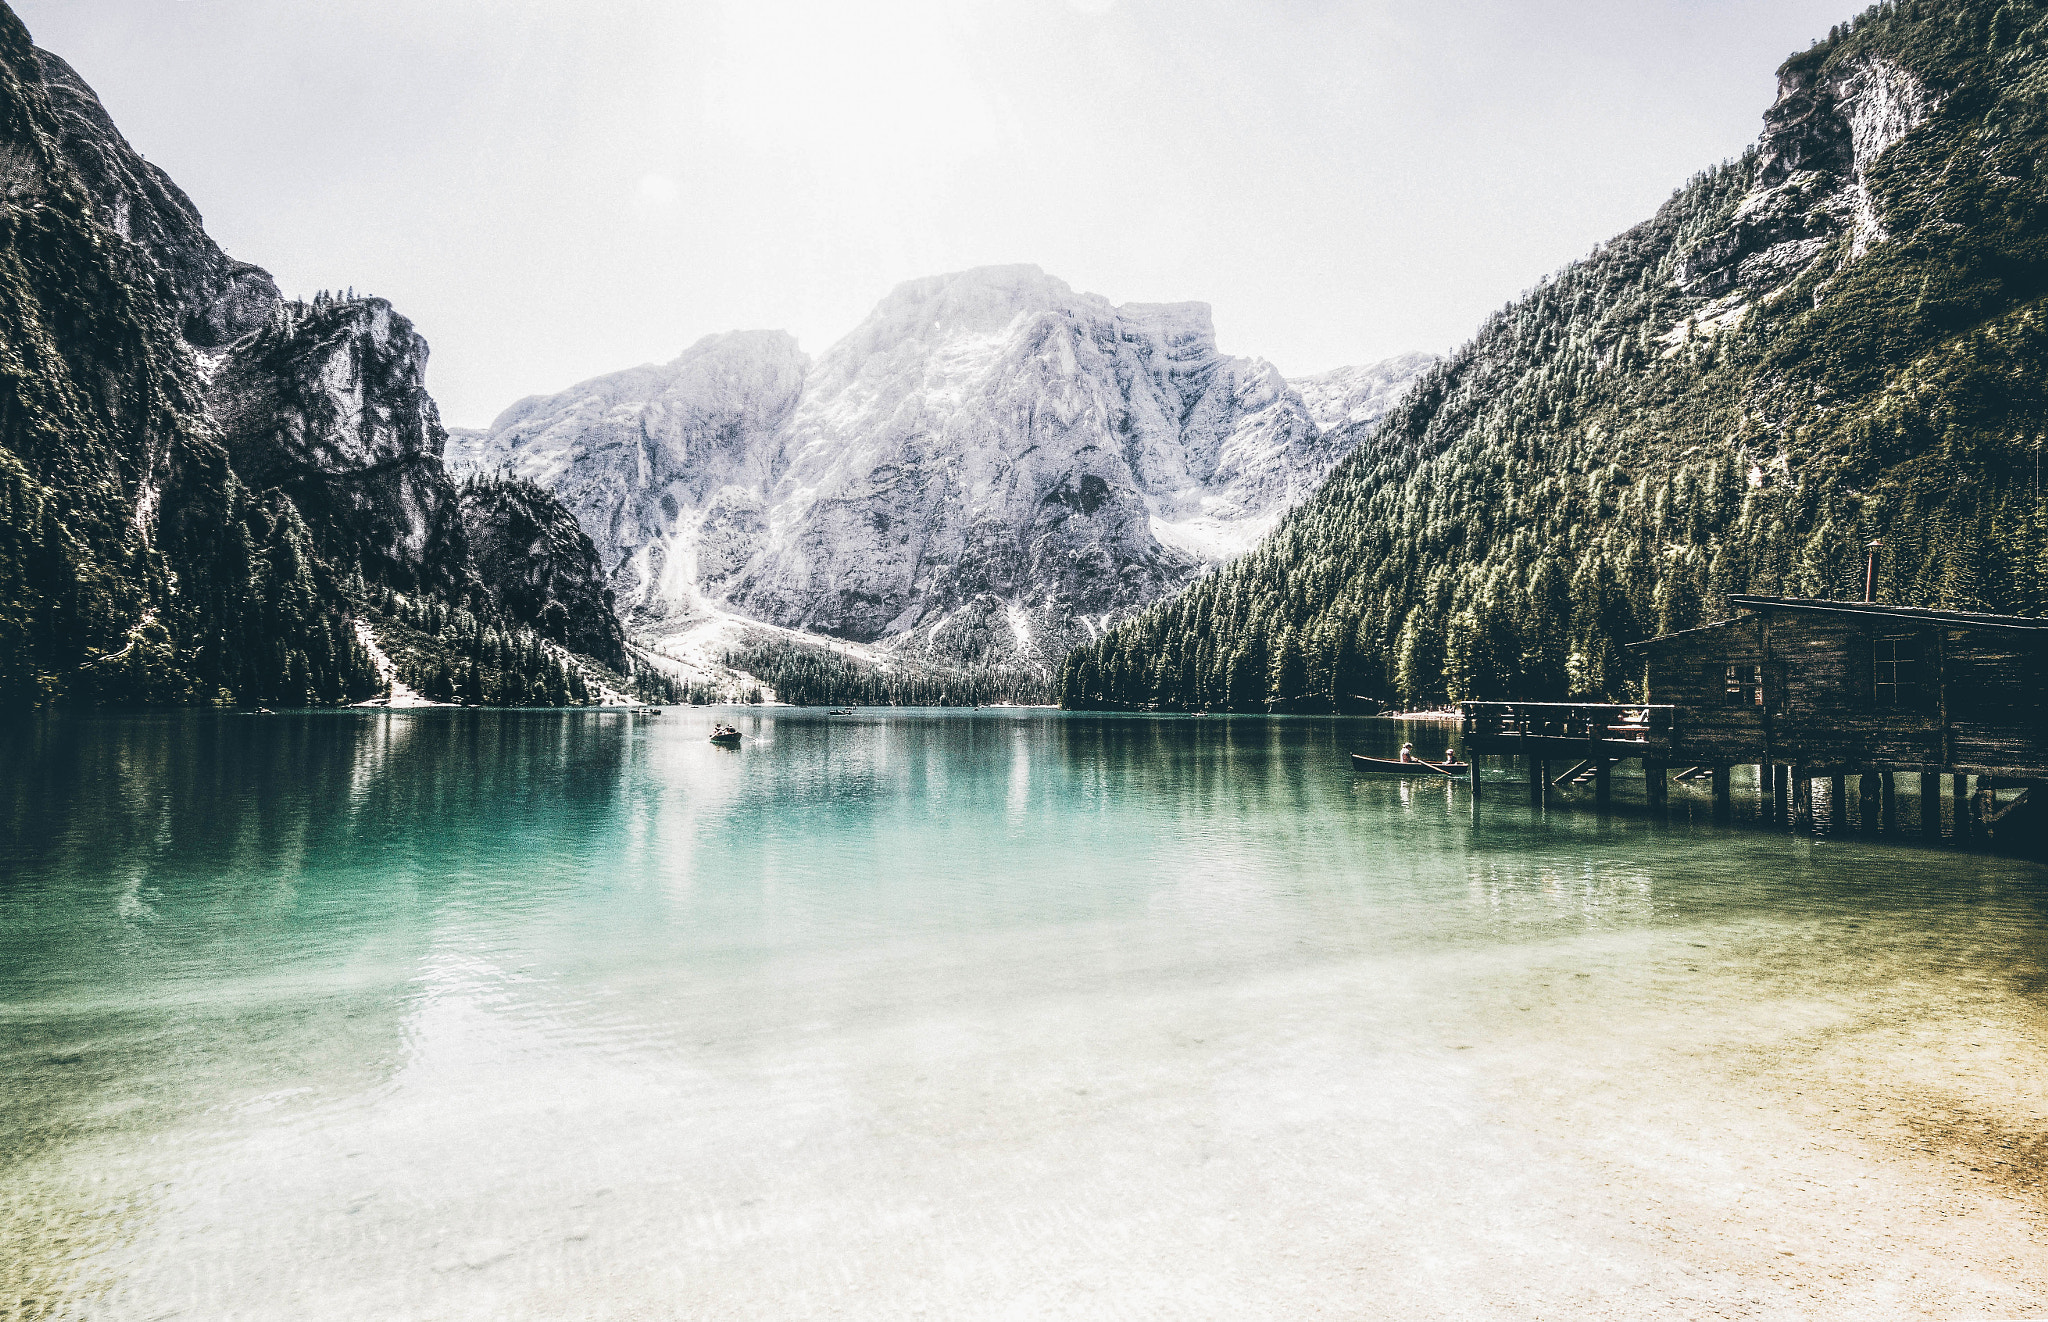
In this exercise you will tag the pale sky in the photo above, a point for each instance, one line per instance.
(552, 190)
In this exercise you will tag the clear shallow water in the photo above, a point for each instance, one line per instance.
(467, 1015)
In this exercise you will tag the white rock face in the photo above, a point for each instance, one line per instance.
(990, 467)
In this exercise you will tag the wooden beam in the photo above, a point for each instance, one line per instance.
(1838, 802)
(1868, 794)
(1539, 778)
(1603, 783)
(1577, 767)
(1653, 784)
(1891, 801)
(1802, 798)
(1930, 803)
(1723, 798)
(1959, 806)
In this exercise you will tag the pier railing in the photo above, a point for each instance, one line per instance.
(1610, 729)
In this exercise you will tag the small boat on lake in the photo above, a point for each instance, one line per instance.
(840, 711)
(725, 736)
(647, 711)
(1395, 766)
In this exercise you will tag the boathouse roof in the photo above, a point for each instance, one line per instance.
(1865, 609)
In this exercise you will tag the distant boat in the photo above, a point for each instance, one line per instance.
(647, 711)
(1360, 762)
(840, 711)
(726, 737)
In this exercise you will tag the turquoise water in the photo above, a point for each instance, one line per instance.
(532, 1014)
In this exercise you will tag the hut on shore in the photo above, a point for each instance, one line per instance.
(1806, 689)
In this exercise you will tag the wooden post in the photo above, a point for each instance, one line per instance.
(1766, 789)
(1930, 804)
(1539, 778)
(1867, 796)
(1474, 773)
(1722, 792)
(1603, 783)
(1838, 801)
(1781, 794)
(1654, 787)
(1802, 798)
(1891, 801)
(1981, 806)
(1959, 805)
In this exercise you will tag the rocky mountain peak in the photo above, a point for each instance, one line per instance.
(985, 468)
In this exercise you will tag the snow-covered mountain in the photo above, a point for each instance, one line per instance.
(990, 467)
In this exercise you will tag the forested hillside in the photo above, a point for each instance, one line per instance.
(1840, 336)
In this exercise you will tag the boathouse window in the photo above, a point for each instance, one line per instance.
(1744, 686)
(1899, 672)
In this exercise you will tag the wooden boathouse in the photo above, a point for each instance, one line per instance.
(1807, 690)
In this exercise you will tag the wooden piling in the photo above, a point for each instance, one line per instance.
(1655, 788)
(1781, 794)
(1890, 790)
(1930, 803)
(1838, 801)
(1959, 805)
(1473, 760)
(1539, 778)
(1603, 783)
(1868, 793)
(1802, 798)
(1723, 792)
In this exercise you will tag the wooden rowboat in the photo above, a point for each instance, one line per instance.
(1360, 762)
(726, 738)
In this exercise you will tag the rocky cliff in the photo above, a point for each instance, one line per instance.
(989, 468)
(202, 481)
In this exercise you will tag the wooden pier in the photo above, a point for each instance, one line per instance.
(1807, 691)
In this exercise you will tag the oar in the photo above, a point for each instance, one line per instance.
(1439, 770)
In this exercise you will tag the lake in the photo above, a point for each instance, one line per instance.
(449, 1014)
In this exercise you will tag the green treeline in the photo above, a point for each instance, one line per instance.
(1701, 407)
(807, 675)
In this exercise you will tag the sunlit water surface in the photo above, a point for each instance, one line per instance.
(1001, 1014)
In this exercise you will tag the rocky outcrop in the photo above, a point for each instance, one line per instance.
(327, 402)
(990, 467)
(1821, 137)
(538, 563)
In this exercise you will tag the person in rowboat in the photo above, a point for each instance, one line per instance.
(1407, 752)
(1450, 757)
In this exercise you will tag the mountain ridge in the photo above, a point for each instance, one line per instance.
(989, 467)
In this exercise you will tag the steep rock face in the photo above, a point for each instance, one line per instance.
(328, 403)
(213, 298)
(1827, 128)
(538, 563)
(988, 468)
(134, 566)
(139, 560)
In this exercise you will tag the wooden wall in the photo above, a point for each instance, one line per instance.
(1984, 703)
